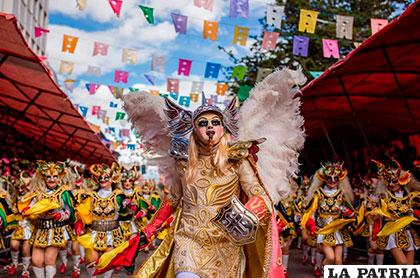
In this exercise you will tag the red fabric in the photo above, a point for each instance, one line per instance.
(416, 213)
(311, 226)
(35, 104)
(158, 221)
(257, 206)
(376, 86)
(125, 258)
(78, 227)
(376, 229)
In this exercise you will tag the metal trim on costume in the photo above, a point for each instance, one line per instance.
(104, 225)
(49, 224)
(237, 222)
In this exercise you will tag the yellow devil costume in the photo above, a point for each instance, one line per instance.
(214, 234)
(52, 209)
(330, 210)
(397, 210)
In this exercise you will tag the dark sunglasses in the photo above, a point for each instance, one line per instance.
(205, 123)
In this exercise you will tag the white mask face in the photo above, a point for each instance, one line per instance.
(209, 127)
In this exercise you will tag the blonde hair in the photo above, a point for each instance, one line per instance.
(220, 159)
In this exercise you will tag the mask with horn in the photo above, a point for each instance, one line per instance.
(208, 122)
(129, 176)
(392, 174)
(101, 173)
(331, 172)
(51, 172)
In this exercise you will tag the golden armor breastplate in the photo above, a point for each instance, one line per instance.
(104, 208)
(329, 205)
(398, 207)
(54, 197)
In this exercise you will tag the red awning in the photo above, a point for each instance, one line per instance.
(373, 94)
(32, 102)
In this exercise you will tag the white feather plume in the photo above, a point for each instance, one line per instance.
(145, 111)
(273, 111)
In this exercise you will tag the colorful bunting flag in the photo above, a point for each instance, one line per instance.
(158, 63)
(124, 132)
(239, 8)
(185, 101)
(212, 100)
(84, 110)
(184, 67)
(212, 70)
(81, 4)
(131, 147)
(270, 40)
(330, 48)
(69, 84)
(239, 72)
(129, 56)
(316, 74)
(344, 27)
(154, 93)
(121, 76)
(197, 86)
(100, 49)
(119, 116)
(210, 29)
(102, 114)
(66, 67)
(95, 71)
(221, 89)
(69, 44)
(134, 90)
(92, 88)
(172, 85)
(174, 95)
(116, 6)
(240, 34)
(206, 4)
(113, 105)
(357, 44)
(377, 24)
(40, 31)
(307, 21)
(149, 78)
(148, 14)
(300, 46)
(243, 92)
(180, 23)
(194, 97)
(274, 15)
(95, 109)
(117, 92)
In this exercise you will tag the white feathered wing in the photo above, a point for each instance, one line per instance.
(146, 112)
(273, 111)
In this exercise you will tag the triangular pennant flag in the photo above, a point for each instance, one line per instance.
(40, 31)
(116, 6)
(243, 92)
(316, 74)
(150, 78)
(148, 14)
(81, 4)
(69, 84)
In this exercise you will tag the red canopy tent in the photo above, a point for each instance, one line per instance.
(372, 95)
(33, 104)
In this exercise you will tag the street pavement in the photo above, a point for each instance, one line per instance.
(296, 269)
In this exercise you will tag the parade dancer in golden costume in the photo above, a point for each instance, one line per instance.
(23, 231)
(214, 234)
(330, 212)
(102, 210)
(397, 208)
(52, 207)
(129, 181)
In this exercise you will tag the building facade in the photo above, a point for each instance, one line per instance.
(29, 14)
